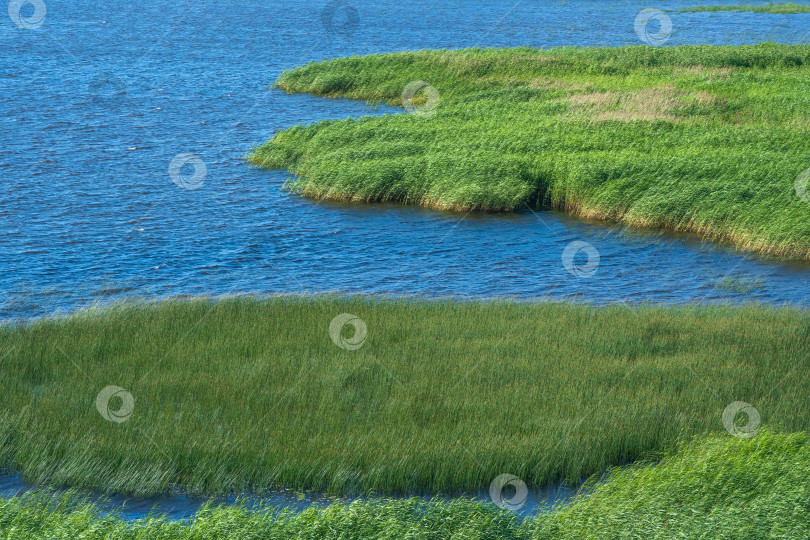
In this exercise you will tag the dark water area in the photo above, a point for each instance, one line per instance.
(182, 507)
(98, 98)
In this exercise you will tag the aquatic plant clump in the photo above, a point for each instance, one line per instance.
(715, 487)
(702, 139)
(354, 395)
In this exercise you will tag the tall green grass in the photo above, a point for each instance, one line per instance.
(246, 395)
(695, 138)
(718, 487)
(67, 517)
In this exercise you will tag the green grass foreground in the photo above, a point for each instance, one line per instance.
(244, 395)
(718, 487)
(783, 8)
(702, 139)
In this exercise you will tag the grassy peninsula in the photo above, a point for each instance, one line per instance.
(713, 487)
(704, 139)
(247, 395)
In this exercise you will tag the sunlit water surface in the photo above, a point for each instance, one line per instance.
(100, 97)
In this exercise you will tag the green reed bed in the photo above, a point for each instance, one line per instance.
(245, 395)
(713, 487)
(704, 139)
(42, 517)
(716, 487)
(787, 8)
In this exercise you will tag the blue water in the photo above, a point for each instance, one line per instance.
(99, 97)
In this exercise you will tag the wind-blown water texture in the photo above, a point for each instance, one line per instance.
(100, 98)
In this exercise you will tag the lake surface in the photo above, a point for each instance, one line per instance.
(98, 99)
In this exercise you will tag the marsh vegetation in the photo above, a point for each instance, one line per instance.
(786, 8)
(244, 396)
(710, 140)
(712, 487)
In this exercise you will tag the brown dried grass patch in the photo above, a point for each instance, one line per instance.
(657, 103)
